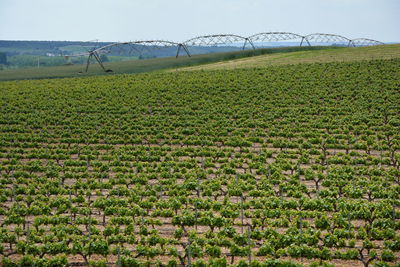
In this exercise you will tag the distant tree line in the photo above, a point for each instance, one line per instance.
(3, 58)
(46, 45)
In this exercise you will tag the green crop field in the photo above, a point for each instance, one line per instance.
(300, 57)
(139, 66)
(287, 165)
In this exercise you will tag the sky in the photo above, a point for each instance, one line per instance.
(179, 20)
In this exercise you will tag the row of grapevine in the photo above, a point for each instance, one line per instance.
(277, 166)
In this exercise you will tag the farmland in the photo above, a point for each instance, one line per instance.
(140, 66)
(284, 165)
(300, 57)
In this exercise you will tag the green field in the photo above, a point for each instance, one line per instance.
(229, 60)
(139, 66)
(280, 165)
(301, 57)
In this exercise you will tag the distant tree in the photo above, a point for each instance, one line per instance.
(3, 58)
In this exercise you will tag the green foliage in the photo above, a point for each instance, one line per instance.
(168, 168)
(3, 58)
(387, 255)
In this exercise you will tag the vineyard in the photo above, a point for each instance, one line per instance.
(293, 165)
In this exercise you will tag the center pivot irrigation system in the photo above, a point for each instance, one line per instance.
(254, 41)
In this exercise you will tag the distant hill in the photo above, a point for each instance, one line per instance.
(45, 47)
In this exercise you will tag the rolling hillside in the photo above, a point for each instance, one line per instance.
(230, 60)
(139, 66)
(320, 56)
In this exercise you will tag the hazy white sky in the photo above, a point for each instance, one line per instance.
(179, 20)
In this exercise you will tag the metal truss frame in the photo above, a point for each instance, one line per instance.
(138, 46)
(141, 46)
(221, 39)
(326, 38)
(217, 39)
(275, 37)
(94, 54)
(365, 42)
